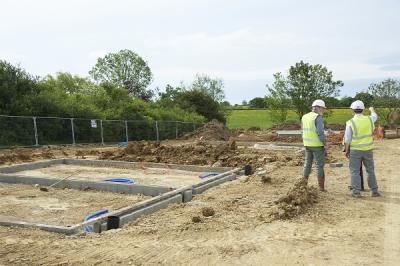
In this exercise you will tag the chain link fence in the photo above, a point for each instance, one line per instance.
(37, 131)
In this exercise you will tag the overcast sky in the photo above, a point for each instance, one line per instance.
(241, 41)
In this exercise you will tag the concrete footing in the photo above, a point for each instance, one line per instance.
(162, 196)
(85, 185)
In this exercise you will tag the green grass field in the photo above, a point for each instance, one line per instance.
(262, 119)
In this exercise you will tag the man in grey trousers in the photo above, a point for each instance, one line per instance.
(314, 141)
(358, 142)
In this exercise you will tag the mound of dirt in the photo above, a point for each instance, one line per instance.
(288, 125)
(213, 130)
(20, 155)
(335, 139)
(336, 127)
(207, 211)
(297, 199)
(198, 153)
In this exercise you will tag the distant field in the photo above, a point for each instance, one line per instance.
(262, 119)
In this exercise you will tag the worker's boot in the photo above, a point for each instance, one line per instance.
(321, 183)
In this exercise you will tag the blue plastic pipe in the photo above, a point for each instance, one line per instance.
(89, 228)
(120, 180)
(205, 175)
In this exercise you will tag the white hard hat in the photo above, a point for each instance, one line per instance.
(319, 103)
(357, 105)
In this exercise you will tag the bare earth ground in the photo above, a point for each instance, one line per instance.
(144, 176)
(337, 230)
(58, 206)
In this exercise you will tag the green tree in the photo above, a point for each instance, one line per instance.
(277, 101)
(126, 69)
(257, 102)
(346, 101)
(226, 104)
(211, 86)
(306, 83)
(201, 103)
(331, 102)
(365, 97)
(387, 96)
(16, 88)
(169, 96)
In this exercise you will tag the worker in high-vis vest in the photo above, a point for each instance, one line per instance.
(359, 144)
(314, 141)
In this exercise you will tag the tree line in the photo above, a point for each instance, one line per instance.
(118, 88)
(305, 82)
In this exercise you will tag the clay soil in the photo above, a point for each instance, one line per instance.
(57, 206)
(282, 222)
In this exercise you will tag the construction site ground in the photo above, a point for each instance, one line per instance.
(255, 223)
(143, 176)
(57, 206)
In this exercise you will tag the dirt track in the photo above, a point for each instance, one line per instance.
(337, 230)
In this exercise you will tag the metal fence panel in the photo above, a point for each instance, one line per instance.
(141, 130)
(16, 131)
(87, 130)
(167, 130)
(114, 131)
(31, 131)
(53, 131)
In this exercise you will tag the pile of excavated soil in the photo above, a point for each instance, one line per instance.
(213, 130)
(290, 139)
(288, 125)
(20, 155)
(336, 127)
(335, 138)
(200, 153)
(297, 199)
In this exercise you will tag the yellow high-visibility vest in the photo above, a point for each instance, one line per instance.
(362, 127)
(310, 136)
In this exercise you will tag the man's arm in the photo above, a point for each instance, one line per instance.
(374, 116)
(347, 139)
(319, 124)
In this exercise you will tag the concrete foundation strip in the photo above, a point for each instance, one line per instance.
(45, 227)
(83, 185)
(29, 166)
(139, 165)
(183, 194)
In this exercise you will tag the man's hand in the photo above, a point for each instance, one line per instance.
(326, 147)
(347, 150)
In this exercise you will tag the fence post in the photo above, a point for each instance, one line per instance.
(35, 131)
(157, 133)
(73, 131)
(176, 129)
(126, 131)
(194, 126)
(101, 132)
